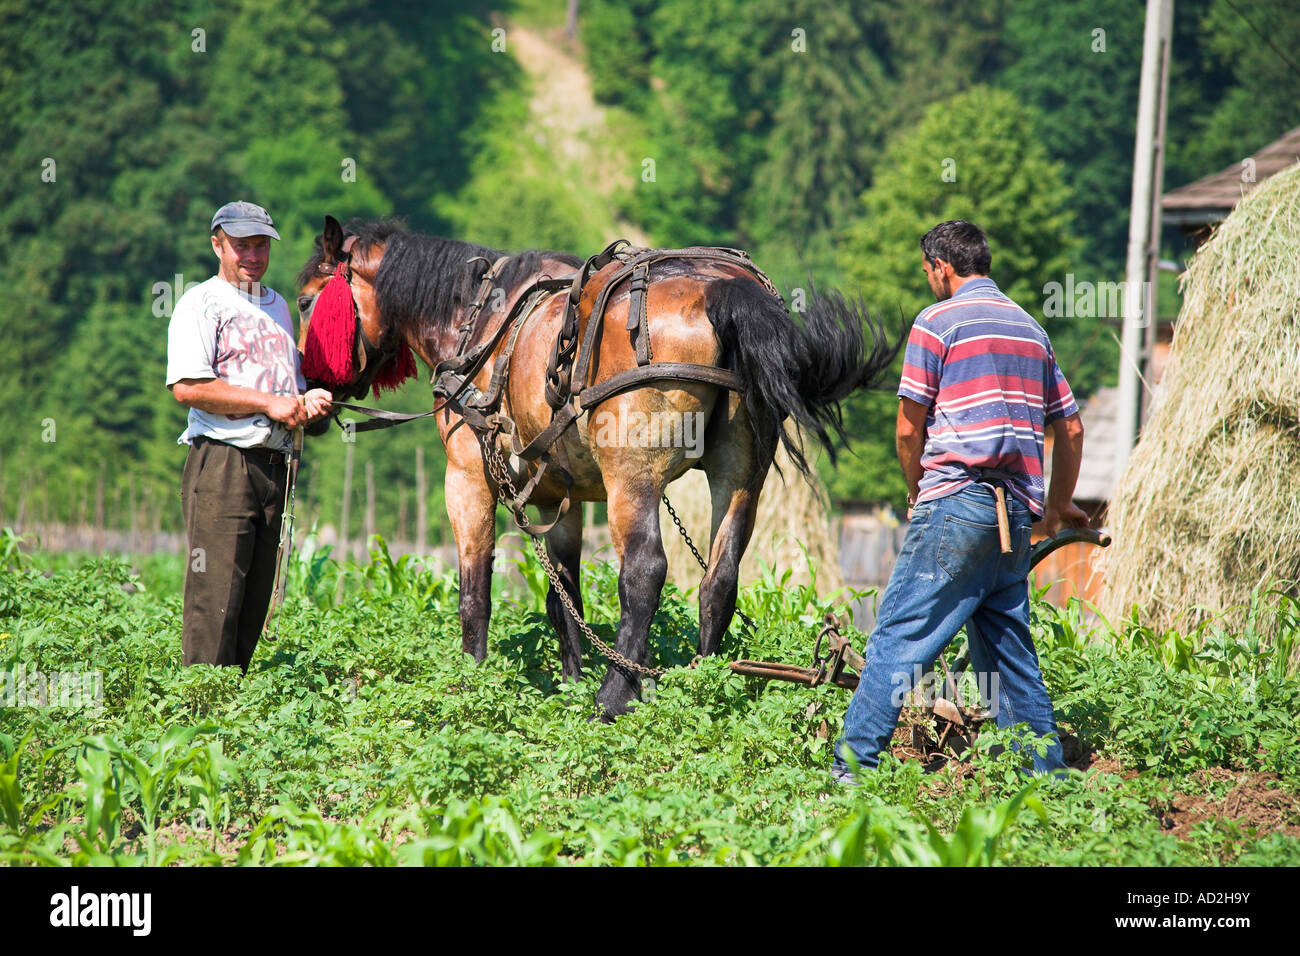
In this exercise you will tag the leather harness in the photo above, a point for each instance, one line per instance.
(568, 390)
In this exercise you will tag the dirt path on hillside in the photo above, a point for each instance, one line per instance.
(567, 120)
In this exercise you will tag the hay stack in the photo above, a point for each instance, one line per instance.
(1209, 505)
(790, 512)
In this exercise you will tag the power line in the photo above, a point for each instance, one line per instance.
(1271, 44)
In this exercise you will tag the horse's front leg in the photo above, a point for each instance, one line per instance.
(471, 507)
(564, 547)
(634, 527)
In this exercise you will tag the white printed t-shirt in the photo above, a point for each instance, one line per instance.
(217, 331)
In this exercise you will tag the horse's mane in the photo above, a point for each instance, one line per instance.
(422, 280)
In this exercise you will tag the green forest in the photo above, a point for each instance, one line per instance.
(824, 137)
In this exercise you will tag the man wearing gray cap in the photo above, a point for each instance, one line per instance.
(233, 360)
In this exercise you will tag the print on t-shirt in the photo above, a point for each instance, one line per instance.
(217, 331)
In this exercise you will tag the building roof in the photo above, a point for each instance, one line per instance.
(1211, 198)
(1097, 471)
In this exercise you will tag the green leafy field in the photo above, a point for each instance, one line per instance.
(363, 736)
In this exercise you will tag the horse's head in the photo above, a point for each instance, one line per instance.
(346, 345)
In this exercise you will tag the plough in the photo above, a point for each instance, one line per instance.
(840, 664)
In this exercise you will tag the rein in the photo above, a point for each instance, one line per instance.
(382, 418)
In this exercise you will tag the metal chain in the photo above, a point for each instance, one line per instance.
(681, 529)
(623, 663)
(507, 493)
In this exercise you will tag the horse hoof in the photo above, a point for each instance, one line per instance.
(609, 711)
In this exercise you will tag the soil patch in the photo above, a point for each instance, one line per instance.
(1256, 801)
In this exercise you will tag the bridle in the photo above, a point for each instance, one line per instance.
(375, 355)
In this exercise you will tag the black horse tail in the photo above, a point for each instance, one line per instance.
(792, 371)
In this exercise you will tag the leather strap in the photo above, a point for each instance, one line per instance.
(559, 368)
(581, 366)
(379, 418)
(638, 319)
(480, 300)
(624, 382)
(526, 492)
(501, 370)
(467, 365)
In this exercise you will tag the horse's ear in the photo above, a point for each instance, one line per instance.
(332, 239)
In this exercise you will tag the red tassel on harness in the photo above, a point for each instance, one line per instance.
(396, 371)
(332, 334)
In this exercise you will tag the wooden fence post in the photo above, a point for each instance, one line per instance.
(344, 553)
(421, 504)
(370, 504)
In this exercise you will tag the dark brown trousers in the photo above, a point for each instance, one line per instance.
(233, 500)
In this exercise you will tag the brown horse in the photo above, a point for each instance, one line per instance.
(413, 291)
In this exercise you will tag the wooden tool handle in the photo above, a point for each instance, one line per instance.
(1004, 523)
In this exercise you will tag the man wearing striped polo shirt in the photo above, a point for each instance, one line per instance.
(980, 384)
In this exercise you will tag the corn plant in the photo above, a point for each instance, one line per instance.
(530, 569)
(22, 815)
(773, 597)
(155, 778)
(478, 833)
(314, 576)
(12, 557)
(288, 836)
(973, 842)
(101, 793)
(207, 791)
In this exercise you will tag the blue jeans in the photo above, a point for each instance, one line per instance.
(951, 572)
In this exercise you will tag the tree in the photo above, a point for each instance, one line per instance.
(1076, 62)
(936, 49)
(618, 47)
(414, 93)
(827, 131)
(709, 112)
(974, 156)
(1258, 84)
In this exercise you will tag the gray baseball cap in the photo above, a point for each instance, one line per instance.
(240, 219)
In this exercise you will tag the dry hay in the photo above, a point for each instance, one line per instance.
(791, 513)
(1208, 508)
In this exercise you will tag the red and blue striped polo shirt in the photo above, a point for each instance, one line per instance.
(987, 372)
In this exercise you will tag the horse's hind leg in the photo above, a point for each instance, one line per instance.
(564, 547)
(735, 481)
(734, 510)
(634, 527)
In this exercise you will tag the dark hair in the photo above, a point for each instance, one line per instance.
(423, 279)
(961, 244)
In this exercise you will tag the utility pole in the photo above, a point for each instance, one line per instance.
(1157, 193)
(1144, 220)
